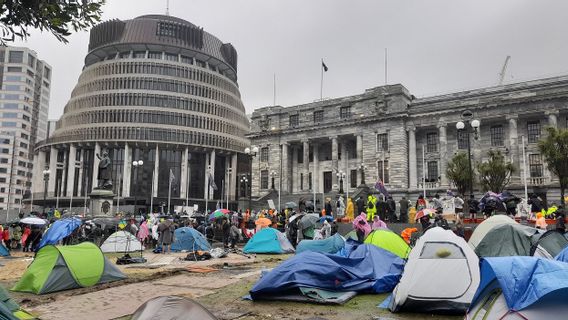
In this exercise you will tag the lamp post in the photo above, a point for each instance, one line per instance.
(251, 153)
(244, 180)
(362, 168)
(341, 175)
(469, 125)
(136, 164)
(46, 173)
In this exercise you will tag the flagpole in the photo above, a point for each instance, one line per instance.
(423, 173)
(118, 198)
(152, 193)
(222, 192)
(321, 84)
(274, 91)
(170, 192)
(386, 66)
(525, 170)
(187, 187)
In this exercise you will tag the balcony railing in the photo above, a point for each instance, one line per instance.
(537, 181)
(429, 185)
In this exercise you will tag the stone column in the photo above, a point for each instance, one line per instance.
(443, 154)
(52, 172)
(552, 118)
(63, 174)
(71, 170)
(285, 168)
(126, 171)
(412, 163)
(81, 184)
(315, 173)
(233, 178)
(183, 178)
(39, 166)
(96, 162)
(306, 157)
(206, 172)
(212, 164)
(359, 150)
(514, 141)
(295, 174)
(334, 162)
(156, 174)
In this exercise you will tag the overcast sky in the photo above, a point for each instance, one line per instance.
(434, 46)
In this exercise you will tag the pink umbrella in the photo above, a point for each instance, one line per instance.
(424, 212)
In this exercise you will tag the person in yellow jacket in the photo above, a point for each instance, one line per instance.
(550, 213)
(371, 207)
(349, 210)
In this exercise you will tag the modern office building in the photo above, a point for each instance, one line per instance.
(155, 90)
(387, 133)
(24, 99)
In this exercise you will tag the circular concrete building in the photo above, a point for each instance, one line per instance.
(157, 89)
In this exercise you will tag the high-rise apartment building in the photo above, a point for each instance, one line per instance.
(24, 102)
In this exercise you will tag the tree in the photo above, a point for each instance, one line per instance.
(554, 148)
(495, 174)
(458, 172)
(59, 17)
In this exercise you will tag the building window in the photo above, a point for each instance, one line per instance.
(318, 116)
(310, 183)
(497, 136)
(264, 154)
(432, 173)
(16, 57)
(353, 178)
(382, 142)
(154, 55)
(533, 130)
(432, 142)
(294, 120)
(301, 181)
(380, 166)
(345, 112)
(264, 179)
(535, 165)
(463, 139)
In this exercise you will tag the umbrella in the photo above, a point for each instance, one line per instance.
(263, 222)
(33, 221)
(328, 218)
(223, 211)
(308, 221)
(294, 217)
(291, 205)
(216, 214)
(424, 212)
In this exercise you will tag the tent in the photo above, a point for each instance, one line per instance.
(189, 239)
(549, 244)
(440, 276)
(172, 307)
(562, 256)
(528, 288)
(268, 240)
(4, 252)
(329, 245)
(59, 230)
(321, 277)
(352, 235)
(9, 309)
(390, 241)
(483, 228)
(67, 267)
(121, 241)
(507, 240)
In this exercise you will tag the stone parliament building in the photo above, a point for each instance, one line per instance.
(313, 150)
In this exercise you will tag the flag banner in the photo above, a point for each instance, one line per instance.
(212, 183)
(381, 188)
(172, 177)
(325, 68)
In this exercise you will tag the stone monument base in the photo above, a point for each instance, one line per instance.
(101, 202)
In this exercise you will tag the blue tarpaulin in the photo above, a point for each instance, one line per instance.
(525, 280)
(329, 245)
(59, 230)
(4, 251)
(189, 239)
(268, 240)
(366, 269)
(563, 255)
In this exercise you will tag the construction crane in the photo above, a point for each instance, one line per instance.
(503, 70)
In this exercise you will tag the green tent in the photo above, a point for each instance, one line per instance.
(67, 267)
(390, 241)
(508, 240)
(10, 310)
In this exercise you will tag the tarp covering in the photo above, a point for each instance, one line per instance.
(4, 251)
(189, 239)
(59, 230)
(366, 269)
(390, 241)
(121, 241)
(549, 244)
(67, 267)
(483, 228)
(172, 307)
(507, 240)
(525, 281)
(329, 245)
(562, 256)
(268, 240)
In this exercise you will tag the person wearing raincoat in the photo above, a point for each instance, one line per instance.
(361, 227)
(378, 223)
(540, 221)
(550, 213)
(349, 209)
(371, 207)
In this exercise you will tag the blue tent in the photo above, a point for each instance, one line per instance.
(329, 245)
(366, 269)
(563, 255)
(526, 283)
(59, 230)
(189, 239)
(3, 251)
(268, 240)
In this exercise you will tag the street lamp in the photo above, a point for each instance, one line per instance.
(341, 175)
(244, 180)
(469, 125)
(46, 173)
(251, 153)
(136, 165)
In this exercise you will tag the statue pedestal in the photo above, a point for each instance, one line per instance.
(101, 202)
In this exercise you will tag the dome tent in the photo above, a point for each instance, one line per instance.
(121, 241)
(390, 241)
(508, 240)
(438, 254)
(268, 240)
(189, 239)
(172, 307)
(549, 245)
(484, 227)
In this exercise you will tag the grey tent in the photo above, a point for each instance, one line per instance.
(508, 240)
(170, 308)
(549, 245)
(9, 309)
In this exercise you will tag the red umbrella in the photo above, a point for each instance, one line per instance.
(424, 212)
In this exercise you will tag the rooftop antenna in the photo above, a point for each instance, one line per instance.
(167, 7)
(503, 70)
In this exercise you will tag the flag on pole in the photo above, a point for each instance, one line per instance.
(325, 68)
(172, 177)
(380, 186)
(212, 182)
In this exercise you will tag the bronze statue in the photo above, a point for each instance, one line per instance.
(105, 172)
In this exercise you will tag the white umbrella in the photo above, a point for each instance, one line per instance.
(33, 220)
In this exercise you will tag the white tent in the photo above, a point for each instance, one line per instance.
(483, 228)
(121, 241)
(441, 275)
